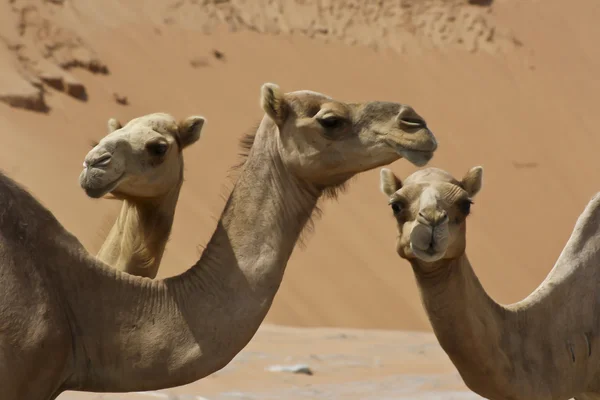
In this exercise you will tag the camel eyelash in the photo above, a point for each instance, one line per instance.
(465, 206)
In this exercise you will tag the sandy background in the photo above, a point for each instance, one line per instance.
(510, 85)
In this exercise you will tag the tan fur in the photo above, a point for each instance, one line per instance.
(149, 186)
(272, 102)
(113, 125)
(85, 326)
(389, 183)
(472, 181)
(545, 347)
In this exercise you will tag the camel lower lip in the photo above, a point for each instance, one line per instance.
(419, 158)
(430, 254)
(430, 250)
(97, 192)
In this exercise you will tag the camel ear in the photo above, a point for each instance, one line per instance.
(113, 125)
(389, 182)
(472, 181)
(190, 130)
(273, 103)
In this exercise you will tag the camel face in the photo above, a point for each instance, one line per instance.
(431, 208)
(141, 159)
(326, 141)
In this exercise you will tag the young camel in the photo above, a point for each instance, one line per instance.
(544, 347)
(85, 326)
(146, 159)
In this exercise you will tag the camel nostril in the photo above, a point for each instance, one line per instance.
(409, 118)
(101, 161)
(442, 218)
(424, 220)
(433, 220)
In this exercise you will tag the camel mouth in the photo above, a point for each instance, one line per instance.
(431, 254)
(427, 243)
(419, 158)
(95, 190)
(418, 154)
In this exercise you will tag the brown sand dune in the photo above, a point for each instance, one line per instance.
(524, 107)
(47, 39)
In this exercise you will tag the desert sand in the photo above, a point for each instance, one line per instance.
(509, 85)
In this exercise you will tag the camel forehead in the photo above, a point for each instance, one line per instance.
(431, 194)
(309, 94)
(159, 122)
(430, 185)
(308, 103)
(430, 176)
(141, 129)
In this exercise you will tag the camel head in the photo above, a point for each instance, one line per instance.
(325, 141)
(142, 159)
(431, 208)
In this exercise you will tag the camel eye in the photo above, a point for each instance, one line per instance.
(465, 206)
(330, 122)
(396, 207)
(157, 149)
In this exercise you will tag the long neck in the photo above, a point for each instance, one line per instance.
(540, 347)
(137, 240)
(468, 324)
(260, 225)
(145, 335)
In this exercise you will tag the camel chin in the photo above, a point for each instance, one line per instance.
(416, 157)
(96, 190)
(429, 256)
(96, 193)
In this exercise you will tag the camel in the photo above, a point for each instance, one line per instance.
(146, 158)
(85, 326)
(544, 347)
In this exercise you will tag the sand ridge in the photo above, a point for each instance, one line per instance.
(40, 42)
(38, 46)
(408, 25)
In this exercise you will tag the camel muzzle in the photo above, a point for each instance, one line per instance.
(97, 162)
(429, 242)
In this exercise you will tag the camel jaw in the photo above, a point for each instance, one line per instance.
(94, 187)
(413, 153)
(417, 148)
(429, 255)
(419, 158)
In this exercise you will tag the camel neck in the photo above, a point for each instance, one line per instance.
(544, 346)
(149, 335)
(524, 349)
(260, 225)
(469, 325)
(137, 240)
